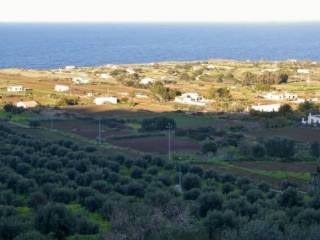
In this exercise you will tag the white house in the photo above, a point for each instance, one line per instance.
(266, 108)
(61, 88)
(141, 95)
(271, 70)
(130, 71)
(280, 97)
(303, 71)
(80, 80)
(16, 88)
(27, 104)
(211, 66)
(147, 80)
(196, 68)
(70, 67)
(104, 100)
(312, 119)
(105, 75)
(192, 99)
(300, 100)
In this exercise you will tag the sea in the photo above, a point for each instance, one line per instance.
(49, 46)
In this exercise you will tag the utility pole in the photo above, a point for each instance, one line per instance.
(180, 177)
(169, 142)
(99, 133)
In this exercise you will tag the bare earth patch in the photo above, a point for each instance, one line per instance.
(156, 144)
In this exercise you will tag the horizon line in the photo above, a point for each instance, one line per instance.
(160, 22)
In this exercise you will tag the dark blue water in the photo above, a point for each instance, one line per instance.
(54, 45)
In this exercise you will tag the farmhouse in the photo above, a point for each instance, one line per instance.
(312, 119)
(104, 100)
(61, 88)
(80, 80)
(16, 88)
(303, 71)
(271, 70)
(196, 68)
(280, 97)
(70, 67)
(211, 66)
(27, 104)
(130, 71)
(105, 75)
(192, 99)
(146, 81)
(141, 95)
(266, 108)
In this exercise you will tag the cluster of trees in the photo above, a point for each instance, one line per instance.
(220, 141)
(42, 181)
(164, 93)
(11, 108)
(268, 78)
(220, 93)
(158, 124)
(66, 101)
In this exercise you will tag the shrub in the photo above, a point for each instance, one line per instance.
(84, 226)
(93, 203)
(33, 235)
(63, 195)
(216, 222)
(135, 189)
(190, 181)
(10, 108)
(158, 123)
(209, 201)
(55, 219)
(192, 194)
(137, 172)
(280, 147)
(209, 147)
(68, 101)
(37, 199)
(290, 198)
(258, 151)
(163, 92)
(10, 227)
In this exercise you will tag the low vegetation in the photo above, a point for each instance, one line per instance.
(63, 190)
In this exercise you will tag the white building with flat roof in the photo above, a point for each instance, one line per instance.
(69, 67)
(266, 108)
(141, 95)
(303, 71)
(130, 71)
(61, 88)
(311, 120)
(80, 80)
(105, 75)
(147, 80)
(16, 88)
(280, 96)
(104, 100)
(191, 99)
(27, 104)
(271, 70)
